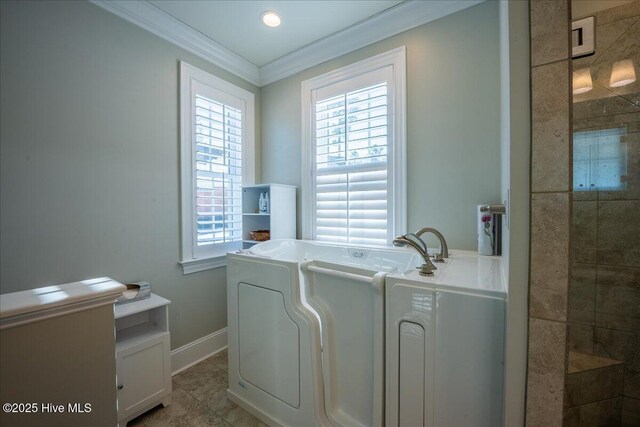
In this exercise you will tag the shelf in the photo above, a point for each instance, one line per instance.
(279, 218)
(137, 334)
(252, 241)
(127, 309)
(262, 186)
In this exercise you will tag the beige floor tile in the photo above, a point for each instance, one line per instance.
(211, 397)
(219, 360)
(235, 415)
(183, 406)
(199, 378)
(199, 399)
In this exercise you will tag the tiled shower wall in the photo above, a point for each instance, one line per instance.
(550, 210)
(604, 292)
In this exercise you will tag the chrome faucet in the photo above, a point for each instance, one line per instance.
(415, 237)
(444, 250)
(427, 267)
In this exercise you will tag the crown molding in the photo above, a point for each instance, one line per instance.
(160, 23)
(390, 22)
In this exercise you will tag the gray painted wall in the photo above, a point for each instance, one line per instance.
(89, 158)
(89, 146)
(453, 121)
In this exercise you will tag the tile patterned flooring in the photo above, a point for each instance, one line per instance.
(199, 399)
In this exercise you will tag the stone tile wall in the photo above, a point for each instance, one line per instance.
(550, 210)
(593, 391)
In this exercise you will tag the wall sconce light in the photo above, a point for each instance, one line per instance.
(582, 81)
(623, 73)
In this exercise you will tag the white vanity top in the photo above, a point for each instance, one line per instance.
(127, 309)
(463, 271)
(38, 300)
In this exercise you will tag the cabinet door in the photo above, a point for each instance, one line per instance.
(144, 374)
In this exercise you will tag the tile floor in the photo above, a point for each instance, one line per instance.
(199, 399)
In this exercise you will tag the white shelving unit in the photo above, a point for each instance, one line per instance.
(143, 359)
(281, 218)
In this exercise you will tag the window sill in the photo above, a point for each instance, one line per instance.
(202, 264)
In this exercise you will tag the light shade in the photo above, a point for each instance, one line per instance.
(623, 73)
(270, 19)
(582, 81)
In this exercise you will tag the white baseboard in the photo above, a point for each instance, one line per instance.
(196, 351)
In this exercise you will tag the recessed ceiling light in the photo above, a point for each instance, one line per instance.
(270, 19)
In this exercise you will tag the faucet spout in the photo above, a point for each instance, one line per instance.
(444, 250)
(417, 239)
(427, 267)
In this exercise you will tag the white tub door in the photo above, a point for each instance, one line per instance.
(349, 303)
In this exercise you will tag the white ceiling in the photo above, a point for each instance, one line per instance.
(313, 31)
(237, 26)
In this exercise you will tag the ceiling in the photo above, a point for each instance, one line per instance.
(237, 25)
(230, 34)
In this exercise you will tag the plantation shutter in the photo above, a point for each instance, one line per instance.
(218, 143)
(352, 150)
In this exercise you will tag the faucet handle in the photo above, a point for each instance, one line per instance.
(426, 270)
(438, 258)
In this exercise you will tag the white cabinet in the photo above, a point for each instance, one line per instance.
(143, 360)
(280, 218)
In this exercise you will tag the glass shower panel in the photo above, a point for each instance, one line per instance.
(603, 366)
(599, 160)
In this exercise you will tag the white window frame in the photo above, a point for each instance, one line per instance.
(190, 77)
(397, 179)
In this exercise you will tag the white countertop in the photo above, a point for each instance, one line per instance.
(463, 271)
(57, 296)
(129, 308)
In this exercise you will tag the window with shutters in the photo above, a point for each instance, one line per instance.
(353, 152)
(217, 146)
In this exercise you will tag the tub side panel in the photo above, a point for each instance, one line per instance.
(274, 342)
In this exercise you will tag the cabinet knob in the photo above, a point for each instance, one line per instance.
(120, 386)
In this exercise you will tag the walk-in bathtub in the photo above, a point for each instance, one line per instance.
(287, 300)
(307, 332)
